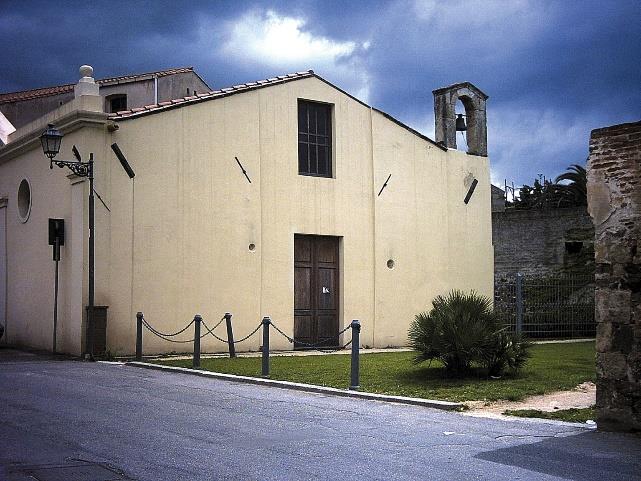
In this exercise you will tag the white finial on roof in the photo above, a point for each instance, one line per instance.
(86, 85)
(86, 71)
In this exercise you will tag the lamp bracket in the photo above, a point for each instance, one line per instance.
(81, 169)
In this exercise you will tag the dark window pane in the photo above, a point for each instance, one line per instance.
(323, 164)
(314, 137)
(312, 121)
(303, 164)
(322, 119)
(302, 117)
(117, 103)
(313, 164)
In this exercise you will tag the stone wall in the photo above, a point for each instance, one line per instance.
(498, 199)
(614, 198)
(543, 242)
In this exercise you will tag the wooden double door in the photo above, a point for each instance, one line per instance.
(316, 282)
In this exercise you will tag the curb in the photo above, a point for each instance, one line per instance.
(429, 403)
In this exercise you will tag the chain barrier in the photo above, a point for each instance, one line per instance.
(211, 331)
(318, 344)
(265, 322)
(290, 339)
(330, 351)
(250, 334)
(164, 336)
(208, 331)
(156, 331)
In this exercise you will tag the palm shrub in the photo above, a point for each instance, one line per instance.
(508, 350)
(460, 330)
(576, 191)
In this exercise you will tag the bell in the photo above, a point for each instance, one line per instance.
(460, 123)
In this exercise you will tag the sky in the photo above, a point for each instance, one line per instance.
(553, 70)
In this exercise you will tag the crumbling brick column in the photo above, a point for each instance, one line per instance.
(614, 202)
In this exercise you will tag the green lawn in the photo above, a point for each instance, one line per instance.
(553, 367)
(573, 415)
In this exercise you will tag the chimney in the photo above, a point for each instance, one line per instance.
(475, 115)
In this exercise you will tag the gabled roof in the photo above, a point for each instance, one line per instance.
(240, 88)
(61, 89)
(462, 85)
(169, 104)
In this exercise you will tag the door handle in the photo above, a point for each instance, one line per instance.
(325, 290)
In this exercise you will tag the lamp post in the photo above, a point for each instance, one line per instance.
(51, 139)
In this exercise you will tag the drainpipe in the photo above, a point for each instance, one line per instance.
(155, 89)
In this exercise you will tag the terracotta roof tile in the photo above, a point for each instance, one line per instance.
(35, 93)
(210, 95)
(67, 88)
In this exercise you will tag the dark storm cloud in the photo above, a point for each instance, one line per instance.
(553, 70)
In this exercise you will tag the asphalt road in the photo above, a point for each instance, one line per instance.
(163, 426)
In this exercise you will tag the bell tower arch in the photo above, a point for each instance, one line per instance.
(474, 100)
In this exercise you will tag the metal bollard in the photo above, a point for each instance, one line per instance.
(139, 317)
(265, 368)
(356, 341)
(197, 320)
(230, 335)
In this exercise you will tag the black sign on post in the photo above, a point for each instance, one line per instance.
(56, 236)
(56, 239)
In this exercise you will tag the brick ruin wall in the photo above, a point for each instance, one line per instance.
(614, 199)
(543, 242)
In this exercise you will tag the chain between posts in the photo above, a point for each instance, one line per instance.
(317, 345)
(250, 334)
(162, 334)
(265, 323)
(208, 331)
(166, 337)
(211, 331)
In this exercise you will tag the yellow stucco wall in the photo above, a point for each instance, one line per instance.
(30, 268)
(176, 240)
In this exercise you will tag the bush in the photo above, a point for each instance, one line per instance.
(508, 350)
(461, 330)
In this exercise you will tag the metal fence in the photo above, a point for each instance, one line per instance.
(558, 306)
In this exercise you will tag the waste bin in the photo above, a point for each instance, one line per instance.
(99, 329)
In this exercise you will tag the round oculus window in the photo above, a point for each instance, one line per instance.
(24, 200)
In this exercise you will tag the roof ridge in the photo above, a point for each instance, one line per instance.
(29, 94)
(222, 92)
(144, 74)
(256, 84)
(62, 86)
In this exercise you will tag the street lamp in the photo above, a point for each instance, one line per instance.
(51, 139)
